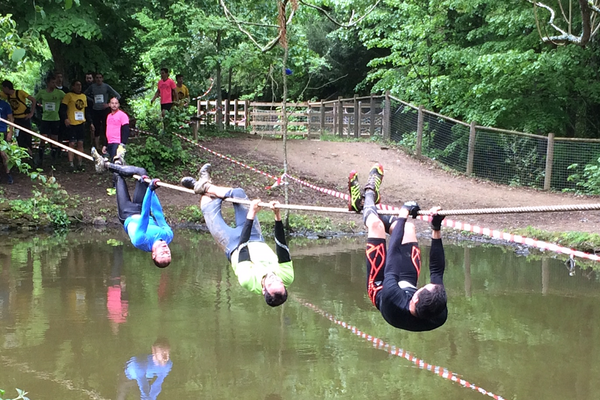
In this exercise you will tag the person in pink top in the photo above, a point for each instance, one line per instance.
(166, 91)
(117, 128)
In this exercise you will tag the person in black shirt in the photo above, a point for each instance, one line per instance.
(392, 275)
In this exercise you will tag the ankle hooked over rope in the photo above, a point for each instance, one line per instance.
(369, 207)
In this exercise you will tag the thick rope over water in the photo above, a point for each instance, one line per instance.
(394, 210)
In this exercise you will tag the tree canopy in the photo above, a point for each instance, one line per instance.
(515, 64)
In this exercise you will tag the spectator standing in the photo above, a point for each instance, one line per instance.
(59, 82)
(117, 128)
(166, 91)
(22, 112)
(100, 93)
(183, 93)
(73, 109)
(6, 133)
(89, 80)
(50, 98)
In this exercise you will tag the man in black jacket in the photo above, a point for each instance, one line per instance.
(392, 275)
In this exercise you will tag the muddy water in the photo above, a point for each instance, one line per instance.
(88, 316)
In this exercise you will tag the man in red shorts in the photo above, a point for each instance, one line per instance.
(392, 275)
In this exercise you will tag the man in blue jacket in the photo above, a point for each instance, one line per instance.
(142, 217)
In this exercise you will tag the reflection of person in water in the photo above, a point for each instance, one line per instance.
(116, 295)
(145, 368)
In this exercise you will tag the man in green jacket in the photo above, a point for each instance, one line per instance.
(258, 268)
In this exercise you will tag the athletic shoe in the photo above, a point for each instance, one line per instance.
(120, 156)
(98, 161)
(80, 168)
(188, 182)
(203, 180)
(374, 181)
(9, 179)
(355, 202)
(71, 168)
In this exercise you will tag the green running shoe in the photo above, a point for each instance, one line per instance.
(355, 202)
(374, 181)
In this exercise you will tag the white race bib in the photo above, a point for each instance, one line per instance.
(99, 98)
(79, 116)
(50, 106)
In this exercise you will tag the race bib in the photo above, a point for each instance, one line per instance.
(50, 106)
(79, 116)
(99, 98)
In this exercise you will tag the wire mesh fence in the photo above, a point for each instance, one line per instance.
(505, 157)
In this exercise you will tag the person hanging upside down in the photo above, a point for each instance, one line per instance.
(142, 217)
(257, 267)
(392, 276)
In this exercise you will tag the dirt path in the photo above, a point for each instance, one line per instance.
(407, 178)
(327, 164)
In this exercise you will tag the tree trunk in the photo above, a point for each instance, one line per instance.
(219, 113)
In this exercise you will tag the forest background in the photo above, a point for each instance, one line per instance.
(499, 63)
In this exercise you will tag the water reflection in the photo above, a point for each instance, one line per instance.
(147, 371)
(74, 309)
(116, 292)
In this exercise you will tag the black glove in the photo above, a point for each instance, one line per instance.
(143, 178)
(413, 208)
(153, 185)
(436, 221)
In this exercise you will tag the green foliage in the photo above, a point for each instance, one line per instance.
(162, 153)
(48, 205)
(588, 180)
(583, 241)
(17, 156)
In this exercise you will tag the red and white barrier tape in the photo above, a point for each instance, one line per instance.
(509, 237)
(212, 82)
(396, 351)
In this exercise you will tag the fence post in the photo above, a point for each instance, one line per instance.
(340, 116)
(419, 145)
(235, 114)
(226, 113)
(549, 161)
(372, 115)
(246, 114)
(356, 125)
(387, 117)
(471, 150)
(308, 119)
(322, 121)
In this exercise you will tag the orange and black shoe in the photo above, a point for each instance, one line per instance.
(356, 200)
(374, 181)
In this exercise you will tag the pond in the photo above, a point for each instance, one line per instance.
(88, 316)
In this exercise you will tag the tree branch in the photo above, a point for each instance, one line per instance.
(350, 22)
(588, 11)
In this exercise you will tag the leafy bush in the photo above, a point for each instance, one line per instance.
(588, 179)
(47, 205)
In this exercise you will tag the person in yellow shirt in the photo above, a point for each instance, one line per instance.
(74, 109)
(22, 112)
(183, 93)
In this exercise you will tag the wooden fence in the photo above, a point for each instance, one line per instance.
(353, 117)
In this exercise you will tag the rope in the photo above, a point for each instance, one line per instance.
(396, 351)
(48, 139)
(513, 210)
(384, 209)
